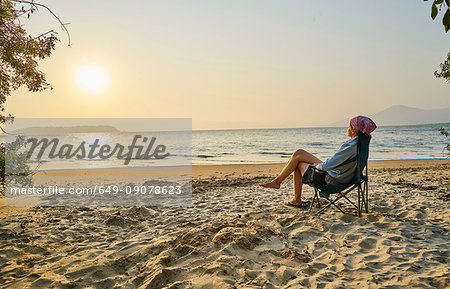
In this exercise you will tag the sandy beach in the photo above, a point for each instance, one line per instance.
(239, 235)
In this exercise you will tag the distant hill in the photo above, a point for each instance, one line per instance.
(404, 115)
(43, 130)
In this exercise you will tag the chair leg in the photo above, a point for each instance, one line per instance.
(362, 200)
(348, 200)
(315, 198)
(359, 200)
(331, 203)
(366, 189)
(341, 195)
(363, 197)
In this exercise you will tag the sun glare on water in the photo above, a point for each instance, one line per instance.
(92, 78)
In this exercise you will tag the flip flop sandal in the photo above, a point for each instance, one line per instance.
(302, 206)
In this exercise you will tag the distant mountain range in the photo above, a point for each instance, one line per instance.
(404, 115)
(42, 130)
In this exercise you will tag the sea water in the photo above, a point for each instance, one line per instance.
(254, 146)
(259, 146)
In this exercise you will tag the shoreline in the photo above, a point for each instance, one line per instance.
(229, 170)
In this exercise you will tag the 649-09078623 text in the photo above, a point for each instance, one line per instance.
(100, 190)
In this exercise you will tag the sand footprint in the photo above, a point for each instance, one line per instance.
(368, 243)
(339, 228)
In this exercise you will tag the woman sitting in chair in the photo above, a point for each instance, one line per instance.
(302, 162)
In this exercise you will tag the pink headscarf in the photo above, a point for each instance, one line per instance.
(362, 124)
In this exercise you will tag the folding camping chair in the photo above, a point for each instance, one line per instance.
(359, 182)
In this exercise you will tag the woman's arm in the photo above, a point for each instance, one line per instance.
(346, 152)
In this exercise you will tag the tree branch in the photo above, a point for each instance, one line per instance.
(43, 34)
(36, 5)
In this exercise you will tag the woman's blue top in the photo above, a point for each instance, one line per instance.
(345, 173)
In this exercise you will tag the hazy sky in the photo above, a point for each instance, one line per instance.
(239, 64)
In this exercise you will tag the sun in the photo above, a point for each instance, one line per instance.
(92, 78)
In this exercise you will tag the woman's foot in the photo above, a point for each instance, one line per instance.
(272, 185)
(297, 204)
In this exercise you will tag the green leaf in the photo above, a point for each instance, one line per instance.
(434, 11)
(437, 2)
(447, 2)
(446, 20)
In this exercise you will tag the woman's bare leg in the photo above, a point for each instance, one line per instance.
(300, 156)
(298, 183)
